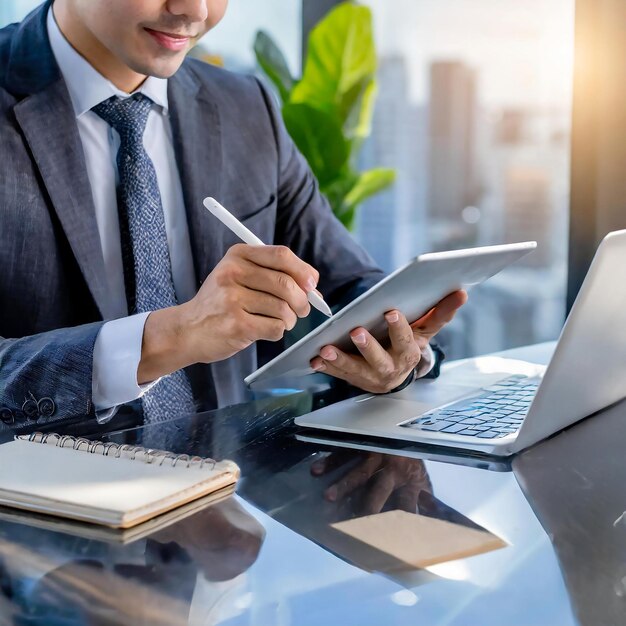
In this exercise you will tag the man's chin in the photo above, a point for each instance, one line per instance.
(161, 68)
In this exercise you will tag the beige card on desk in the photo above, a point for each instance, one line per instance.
(416, 541)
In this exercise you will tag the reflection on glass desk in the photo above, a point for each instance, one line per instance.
(350, 535)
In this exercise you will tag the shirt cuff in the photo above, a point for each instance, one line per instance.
(426, 363)
(116, 357)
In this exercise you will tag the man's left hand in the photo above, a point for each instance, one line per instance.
(378, 481)
(377, 369)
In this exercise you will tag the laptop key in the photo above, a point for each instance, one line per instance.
(437, 426)
(455, 428)
(513, 419)
(479, 429)
(471, 413)
(473, 421)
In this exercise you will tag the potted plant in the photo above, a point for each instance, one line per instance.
(328, 111)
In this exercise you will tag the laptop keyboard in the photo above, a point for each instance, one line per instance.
(496, 411)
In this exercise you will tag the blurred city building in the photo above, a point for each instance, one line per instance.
(392, 225)
(453, 173)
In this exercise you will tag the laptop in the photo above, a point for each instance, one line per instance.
(499, 406)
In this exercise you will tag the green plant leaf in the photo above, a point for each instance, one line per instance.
(319, 137)
(351, 188)
(328, 113)
(359, 112)
(273, 62)
(368, 183)
(336, 190)
(340, 63)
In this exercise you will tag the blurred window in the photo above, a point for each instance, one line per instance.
(474, 113)
(232, 40)
(15, 10)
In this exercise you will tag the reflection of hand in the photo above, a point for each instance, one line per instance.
(385, 479)
(224, 540)
(377, 369)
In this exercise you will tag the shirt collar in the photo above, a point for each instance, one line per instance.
(87, 87)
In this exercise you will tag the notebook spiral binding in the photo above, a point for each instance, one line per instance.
(147, 455)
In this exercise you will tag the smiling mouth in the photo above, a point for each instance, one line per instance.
(170, 41)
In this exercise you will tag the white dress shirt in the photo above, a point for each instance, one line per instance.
(117, 350)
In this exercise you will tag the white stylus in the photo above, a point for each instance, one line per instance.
(247, 236)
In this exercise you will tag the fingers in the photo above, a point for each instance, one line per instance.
(379, 370)
(267, 305)
(278, 284)
(380, 491)
(376, 369)
(267, 328)
(243, 272)
(442, 313)
(406, 498)
(355, 370)
(352, 367)
(252, 293)
(378, 359)
(348, 367)
(355, 478)
(406, 351)
(281, 259)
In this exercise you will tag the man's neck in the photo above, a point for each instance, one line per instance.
(99, 57)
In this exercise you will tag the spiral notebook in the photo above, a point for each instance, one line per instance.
(103, 483)
(98, 532)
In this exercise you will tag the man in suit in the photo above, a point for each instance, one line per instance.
(115, 281)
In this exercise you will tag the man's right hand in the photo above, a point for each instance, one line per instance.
(254, 292)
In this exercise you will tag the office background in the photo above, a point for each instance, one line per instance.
(474, 113)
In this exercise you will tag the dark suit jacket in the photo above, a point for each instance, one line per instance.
(230, 143)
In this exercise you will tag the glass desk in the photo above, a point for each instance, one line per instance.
(547, 532)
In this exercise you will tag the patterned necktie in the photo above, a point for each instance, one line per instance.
(146, 259)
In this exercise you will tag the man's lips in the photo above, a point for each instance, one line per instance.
(170, 41)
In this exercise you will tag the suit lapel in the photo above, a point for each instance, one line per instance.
(58, 154)
(197, 141)
(46, 117)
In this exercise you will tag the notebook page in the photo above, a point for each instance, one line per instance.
(96, 487)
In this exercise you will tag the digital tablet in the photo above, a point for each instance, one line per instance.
(413, 289)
